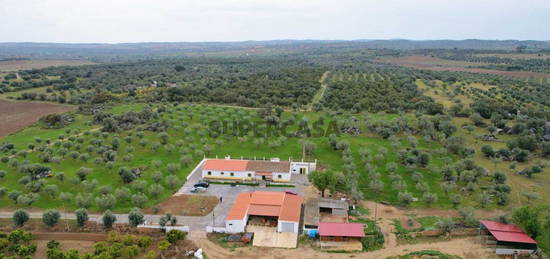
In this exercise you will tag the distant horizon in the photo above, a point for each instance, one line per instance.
(270, 40)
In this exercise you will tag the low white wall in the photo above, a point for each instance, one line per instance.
(167, 228)
(210, 229)
(196, 169)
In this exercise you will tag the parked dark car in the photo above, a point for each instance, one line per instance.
(202, 184)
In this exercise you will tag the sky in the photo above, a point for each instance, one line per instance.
(116, 21)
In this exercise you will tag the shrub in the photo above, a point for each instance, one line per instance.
(168, 219)
(122, 194)
(108, 219)
(20, 217)
(51, 217)
(105, 202)
(84, 200)
(81, 216)
(139, 200)
(446, 225)
(135, 217)
(83, 172)
(51, 190)
(174, 235)
(405, 198)
(155, 190)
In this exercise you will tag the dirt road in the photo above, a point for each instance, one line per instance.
(468, 248)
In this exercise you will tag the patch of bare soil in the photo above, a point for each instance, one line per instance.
(14, 65)
(436, 64)
(390, 212)
(464, 247)
(19, 115)
(186, 205)
(409, 223)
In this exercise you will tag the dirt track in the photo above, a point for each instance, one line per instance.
(468, 248)
(436, 64)
(14, 65)
(15, 116)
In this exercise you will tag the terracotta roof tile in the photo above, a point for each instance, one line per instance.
(341, 229)
(225, 165)
(268, 166)
(240, 207)
(286, 206)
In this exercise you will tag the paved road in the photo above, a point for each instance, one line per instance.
(195, 223)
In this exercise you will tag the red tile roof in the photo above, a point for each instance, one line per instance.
(264, 210)
(507, 232)
(268, 198)
(286, 206)
(493, 225)
(240, 207)
(225, 165)
(292, 208)
(341, 229)
(512, 237)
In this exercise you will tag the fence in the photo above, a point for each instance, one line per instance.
(196, 169)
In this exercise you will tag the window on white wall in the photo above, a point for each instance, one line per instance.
(222, 173)
(209, 173)
(249, 175)
(280, 176)
(232, 174)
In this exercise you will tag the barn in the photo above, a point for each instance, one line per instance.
(325, 210)
(280, 210)
(508, 239)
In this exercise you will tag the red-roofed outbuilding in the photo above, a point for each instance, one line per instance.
(508, 239)
(335, 231)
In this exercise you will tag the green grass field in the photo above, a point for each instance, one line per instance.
(194, 136)
(189, 132)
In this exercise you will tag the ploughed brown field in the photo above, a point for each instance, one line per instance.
(437, 64)
(15, 116)
(186, 205)
(14, 65)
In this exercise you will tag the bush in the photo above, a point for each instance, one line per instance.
(105, 202)
(122, 194)
(168, 219)
(139, 200)
(108, 219)
(405, 198)
(81, 216)
(84, 200)
(51, 217)
(155, 190)
(174, 235)
(135, 217)
(20, 217)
